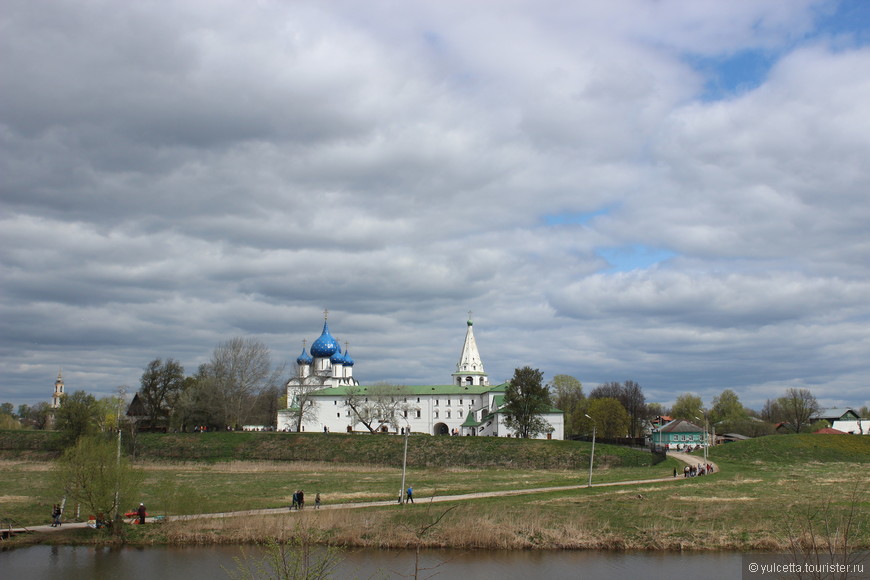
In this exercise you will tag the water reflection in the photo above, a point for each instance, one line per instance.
(87, 563)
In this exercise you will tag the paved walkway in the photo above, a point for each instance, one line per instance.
(684, 457)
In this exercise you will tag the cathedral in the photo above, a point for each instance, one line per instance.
(329, 398)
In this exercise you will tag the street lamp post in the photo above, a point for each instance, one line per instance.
(404, 462)
(592, 454)
(706, 438)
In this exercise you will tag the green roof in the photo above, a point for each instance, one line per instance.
(414, 390)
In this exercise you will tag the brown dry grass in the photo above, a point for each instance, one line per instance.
(19, 465)
(463, 530)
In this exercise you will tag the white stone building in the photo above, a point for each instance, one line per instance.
(467, 406)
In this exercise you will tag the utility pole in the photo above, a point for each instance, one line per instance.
(404, 461)
(122, 391)
(592, 454)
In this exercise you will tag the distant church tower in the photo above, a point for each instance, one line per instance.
(58, 391)
(469, 369)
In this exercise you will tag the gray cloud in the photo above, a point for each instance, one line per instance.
(175, 176)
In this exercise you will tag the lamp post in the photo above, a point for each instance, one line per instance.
(706, 438)
(122, 391)
(404, 461)
(592, 454)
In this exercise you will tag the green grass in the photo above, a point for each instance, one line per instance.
(384, 450)
(765, 485)
(791, 449)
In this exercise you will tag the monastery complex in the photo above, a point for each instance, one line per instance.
(324, 384)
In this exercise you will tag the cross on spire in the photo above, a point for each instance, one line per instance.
(325, 313)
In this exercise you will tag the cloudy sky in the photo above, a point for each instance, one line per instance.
(673, 192)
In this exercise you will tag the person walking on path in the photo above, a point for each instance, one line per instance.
(142, 513)
(55, 516)
(317, 501)
(301, 499)
(410, 494)
(295, 504)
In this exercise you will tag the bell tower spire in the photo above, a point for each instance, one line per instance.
(58, 391)
(469, 369)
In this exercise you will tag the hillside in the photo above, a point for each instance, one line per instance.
(383, 450)
(795, 448)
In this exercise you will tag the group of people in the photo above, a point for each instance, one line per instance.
(695, 470)
(409, 495)
(299, 500)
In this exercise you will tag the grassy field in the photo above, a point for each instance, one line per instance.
(766, 487)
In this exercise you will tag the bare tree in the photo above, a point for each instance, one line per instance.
(391, 403)
(241, 368)
(378, 405)
(359, 404)
(301, 404)
(798, 406)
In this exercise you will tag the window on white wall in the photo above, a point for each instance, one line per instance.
(418, 413)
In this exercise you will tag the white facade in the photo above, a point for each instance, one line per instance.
(469, 406)
(859, 427)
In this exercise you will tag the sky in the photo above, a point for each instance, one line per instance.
(671, 192)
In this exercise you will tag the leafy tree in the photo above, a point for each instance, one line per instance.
(655, 410)
(864, 412)
(92, 474)
(631, 396)
(36, 416)
(77, 416)
(727, 411)
(161, 384)
(609, 417)
(9, 422)
(526, 400)
(8, 419)
(567, 395)
(109, 412)
(688, 407)
(798, 406)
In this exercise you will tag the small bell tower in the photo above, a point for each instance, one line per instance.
(57, 397)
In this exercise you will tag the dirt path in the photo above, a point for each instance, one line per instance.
(684, 457)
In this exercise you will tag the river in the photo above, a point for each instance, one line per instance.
(200, 563)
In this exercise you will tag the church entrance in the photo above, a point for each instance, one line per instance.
(441, 429)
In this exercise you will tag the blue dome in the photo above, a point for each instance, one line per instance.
(337, 358)
(325, 346)
(304, 358)
(348, 362)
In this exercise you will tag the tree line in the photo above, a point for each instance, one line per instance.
(239, 385)
(620, 410)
